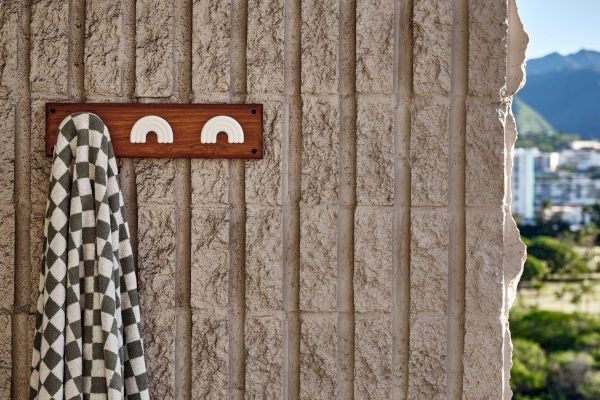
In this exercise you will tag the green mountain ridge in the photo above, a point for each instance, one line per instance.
(529, 120)
(565, 92)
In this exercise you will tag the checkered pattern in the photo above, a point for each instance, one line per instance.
(87, 342)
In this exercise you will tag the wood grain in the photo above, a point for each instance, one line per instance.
(186, 120)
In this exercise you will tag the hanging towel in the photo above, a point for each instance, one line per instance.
(87, 342)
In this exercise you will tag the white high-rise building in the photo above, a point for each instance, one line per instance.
(523, 183)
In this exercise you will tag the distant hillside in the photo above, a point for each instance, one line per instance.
(528, 120)
(553, 62)
(565, 90)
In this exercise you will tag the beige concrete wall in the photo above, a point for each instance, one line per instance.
(371, 253)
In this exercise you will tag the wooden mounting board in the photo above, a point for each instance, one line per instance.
(186, 120)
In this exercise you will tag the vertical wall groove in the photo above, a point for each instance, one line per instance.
(76, 40)
(237, 211)
(183, 211)
(456, 199)
(22, 201)
(127, 172)
(347, 199)
(183, 194)
(292, 158)
(403, 76)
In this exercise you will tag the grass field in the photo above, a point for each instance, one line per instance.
(546, 298)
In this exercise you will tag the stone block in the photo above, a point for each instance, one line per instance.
(156, 257)
(265, 46)
(264, 359)
(319, 46)
(318, 358)
(432, 47)
(375, 152)
(49, 47)
(7, 150)
(8, 48)
(209, 357)
(5, 356)
(429, 154)
(373, 357)
(103, 72)
(484, 169)
(318, 258)
(429, 261)
(7, 258)
(154, 49)
(483, 359)
(263, 258)
(210, 257)
(372, 259)
(484, 279)
(374, 46)
(427, 357)
(159, 346)
(155, 180)
(488, 48)
(320, 148)
(210, 46)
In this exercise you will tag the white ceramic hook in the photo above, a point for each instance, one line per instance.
(151, 123)
(222, 123)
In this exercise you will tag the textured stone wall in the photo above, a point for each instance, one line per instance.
(370, 254)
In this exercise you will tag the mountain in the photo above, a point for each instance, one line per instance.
(528, 120)
(583, 59)
(565, 90)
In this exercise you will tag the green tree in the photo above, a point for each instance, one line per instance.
(534, 268)
(561, 257)
(529, 372)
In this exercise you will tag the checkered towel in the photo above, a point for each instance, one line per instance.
(87, 342)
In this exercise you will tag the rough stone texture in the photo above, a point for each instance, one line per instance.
(155, 179)
(319, 46)
(429, 154)
(264, 358)
(263, 178)
(7, 258)
(487, 48)
(484, 275)
(432, 47)
(210, 46)
(318, 258)
(485, 153)
(209, 181)
(159, 344)
(102, 48)
(8, 47)
(154, 62)
(317, 358)
(210, 256)
(265, 46)
(319, 150)
(374, 152)
(40, 164)
(5, 355)
(156, 257)
(49, 46)
(374, 46)
(373, 259)
(427, 360)
(373, 370)
(7, 152)
(483, 363)
(263, 258)
(209, 357)
(429, 261)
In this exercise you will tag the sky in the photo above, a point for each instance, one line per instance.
(564, 26)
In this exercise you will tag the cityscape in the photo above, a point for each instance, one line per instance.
(564, 184)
